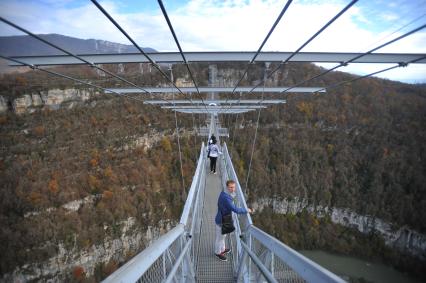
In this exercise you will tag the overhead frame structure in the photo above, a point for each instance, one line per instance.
(219, 111)
(217, 102)
(215, 89)
(311, 272)
(213, 108)
(175, 57)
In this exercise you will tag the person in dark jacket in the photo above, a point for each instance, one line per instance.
(213, 153)
(225, 206)
(212, 139)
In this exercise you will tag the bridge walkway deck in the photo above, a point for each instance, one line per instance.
(210, 268)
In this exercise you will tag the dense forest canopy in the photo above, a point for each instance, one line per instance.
(360, 146)
(53, 157)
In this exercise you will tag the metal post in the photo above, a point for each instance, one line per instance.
(182, 263)
(249, 259)
(164, 266)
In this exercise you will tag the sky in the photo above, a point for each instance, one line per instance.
(237, 25)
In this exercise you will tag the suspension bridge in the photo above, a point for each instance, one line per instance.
(185, 253)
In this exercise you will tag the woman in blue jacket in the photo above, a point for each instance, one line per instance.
(225, 206)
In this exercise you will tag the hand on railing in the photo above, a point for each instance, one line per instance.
(251, 211)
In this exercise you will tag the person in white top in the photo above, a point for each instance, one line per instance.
(213, 154)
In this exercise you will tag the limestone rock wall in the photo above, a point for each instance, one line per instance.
(402, 238)
(60, 267)
(52, 99)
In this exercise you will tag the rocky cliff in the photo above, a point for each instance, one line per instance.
(60, 267)
(52, 99)
(402, 238)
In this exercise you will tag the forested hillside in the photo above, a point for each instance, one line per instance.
(112, 158)
(360, 146)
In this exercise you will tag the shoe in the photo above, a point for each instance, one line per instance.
(226, 251)
(221, 257)
(215, 173)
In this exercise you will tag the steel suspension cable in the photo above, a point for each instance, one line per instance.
(254, 140)
(284, 62)
(338, 15)
(195, 135)
(178, 140)
(402, 64)
(34, 67)
(163, 10)
(395, 31)
(70, 53)
(156, 66)
(356, 57)
(284, 9)
(263, 43)
(79, 58)
(235, 125)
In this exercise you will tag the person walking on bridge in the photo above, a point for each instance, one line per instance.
(212, 139)
(213, 154)
(225, 207)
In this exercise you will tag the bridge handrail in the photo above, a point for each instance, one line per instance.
(179, 260)
(136, 267)
(132, 270)
(238, 189)
(192, 191)
(304, 267)
(266, 273)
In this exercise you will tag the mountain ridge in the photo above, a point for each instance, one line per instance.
(25, 45)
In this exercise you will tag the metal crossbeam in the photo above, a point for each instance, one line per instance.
(213, 108)
(214, 89)
(220, 111)
(218, 102)
(226, 56)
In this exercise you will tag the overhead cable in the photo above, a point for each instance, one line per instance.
(307, 42)
(263, 43)
(156, 66)
(70, 53)
(163, 10)
(402, 64)
(75, 56)
(357, 57)
(303, 45)
(107, 91)
(285, 8)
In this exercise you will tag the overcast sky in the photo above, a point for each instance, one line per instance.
(236, 25)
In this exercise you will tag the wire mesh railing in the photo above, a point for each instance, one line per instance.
(161, 268)
(260, 257)
(278, 269)
(171, 257)
(257, 256)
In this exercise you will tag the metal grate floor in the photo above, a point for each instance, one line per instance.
(210, 268)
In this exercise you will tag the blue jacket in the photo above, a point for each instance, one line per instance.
(225, 206)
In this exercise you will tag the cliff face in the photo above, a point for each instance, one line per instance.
(59, 268)
(403, 238)
(84, 188)
(52, 99)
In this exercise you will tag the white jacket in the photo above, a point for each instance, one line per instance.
(214, 150)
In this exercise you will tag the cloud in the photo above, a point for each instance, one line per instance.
(231, 25)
